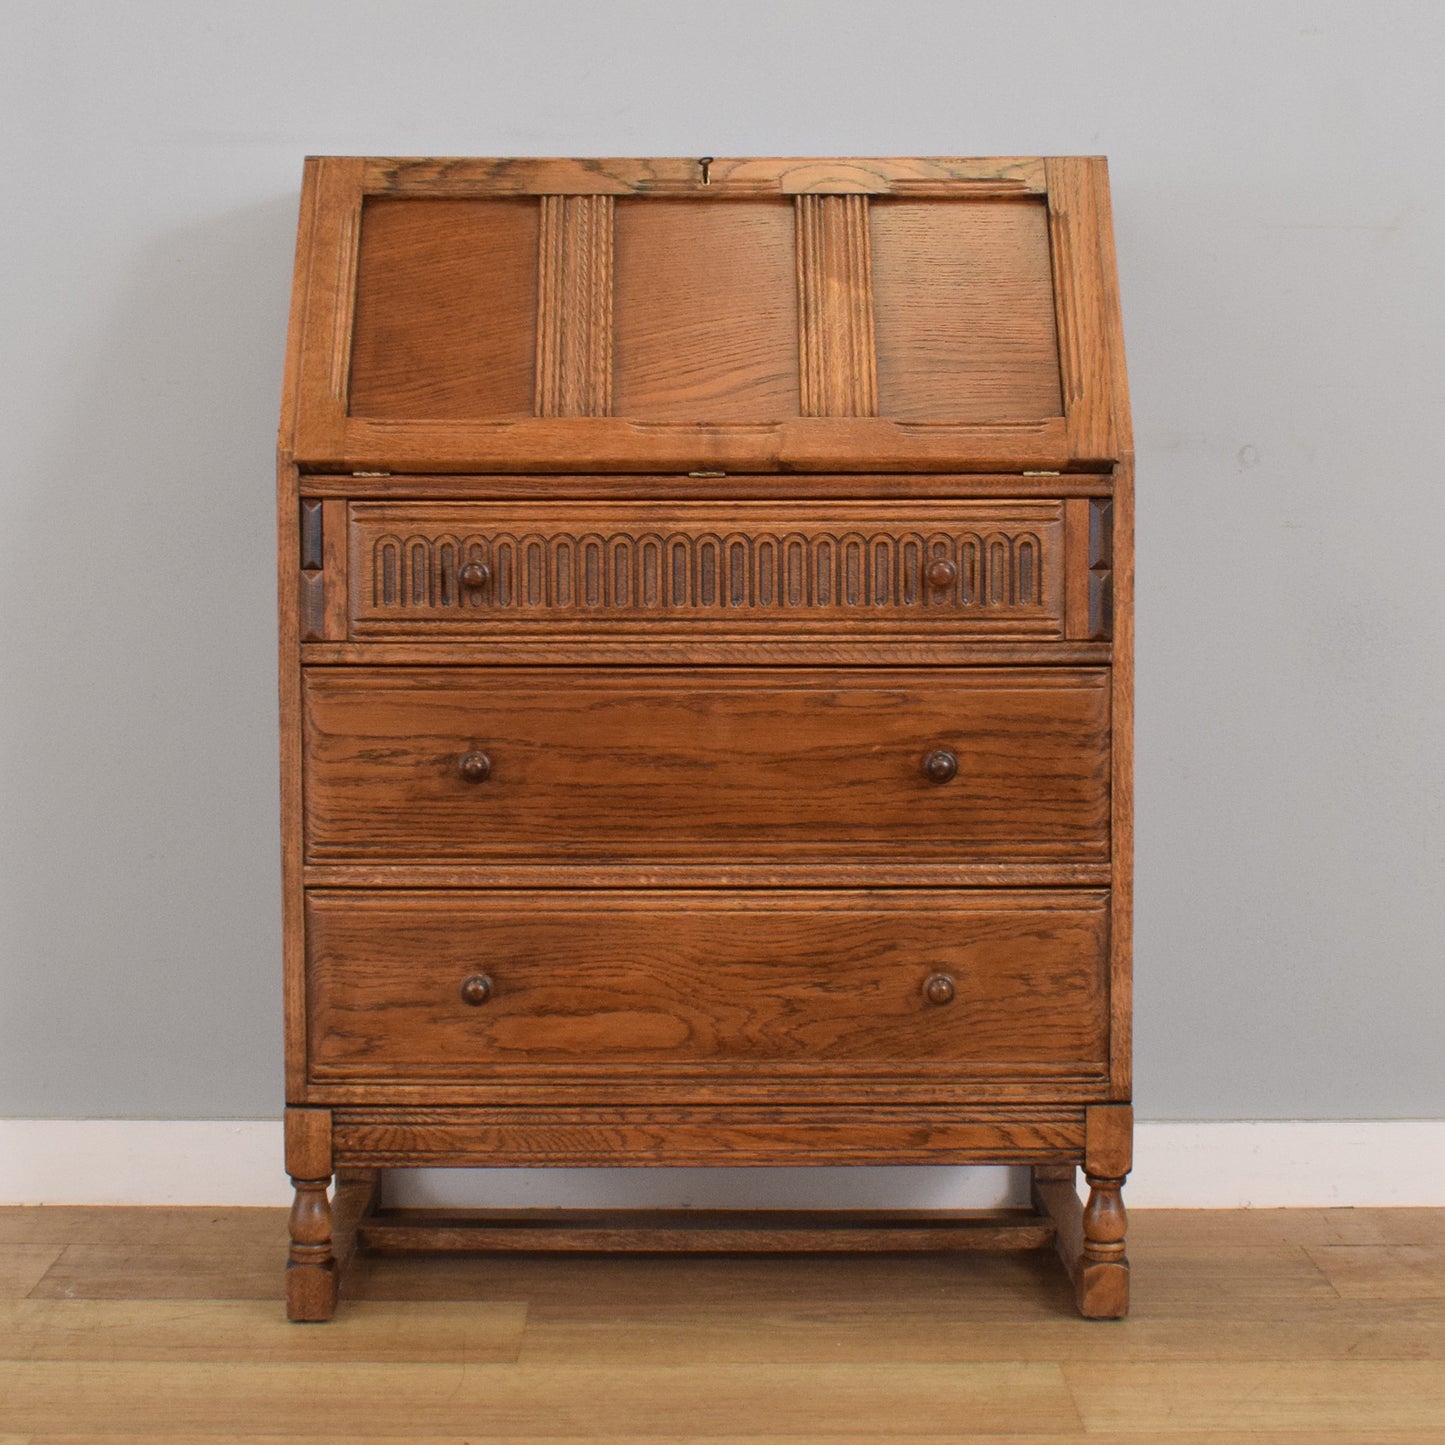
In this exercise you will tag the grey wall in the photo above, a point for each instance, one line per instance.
(1281, 229)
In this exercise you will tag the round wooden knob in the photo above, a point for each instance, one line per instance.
(940, 766)
(938, 988)
(474, 575)
(941, 573)
(477, 989)
(474, 767)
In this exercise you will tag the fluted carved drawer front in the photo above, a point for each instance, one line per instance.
(457, 764)
(972, 567)
(468, 985)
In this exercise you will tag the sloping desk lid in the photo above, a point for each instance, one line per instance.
(738, 315)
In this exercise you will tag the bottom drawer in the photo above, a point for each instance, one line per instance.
(413, 986)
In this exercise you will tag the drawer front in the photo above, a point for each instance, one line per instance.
(972, 568)
(457, 764)
(622, 983)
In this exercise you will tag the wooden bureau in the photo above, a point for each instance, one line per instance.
(706, 693)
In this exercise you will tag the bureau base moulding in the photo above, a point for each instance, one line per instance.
(1088, 1236)
(1179, 1164)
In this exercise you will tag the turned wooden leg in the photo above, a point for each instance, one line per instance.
(1089, 1238)
(310, 1267)
(1102, 1280)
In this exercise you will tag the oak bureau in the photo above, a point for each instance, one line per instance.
(705, 596)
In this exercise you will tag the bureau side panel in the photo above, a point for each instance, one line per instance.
(1122, 789)
(1122, 673)
(288, 590)
(293, 925)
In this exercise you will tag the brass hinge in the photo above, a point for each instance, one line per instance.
(707, 476)
(371, 474)
(1040, 474)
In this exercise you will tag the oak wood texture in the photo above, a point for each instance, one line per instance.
(789, 983)
(838, 358)
(645, 764)
(1235, 1339)
(706, 690)
(703, 486)
(699, 1231)
(744, 315)
(980, 569)
(574, 312)
(724, 1133)
(446, 305)
(311, 1266)
(705, 312)
(964, 305)
(768, 647)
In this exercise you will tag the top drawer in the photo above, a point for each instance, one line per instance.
(964, 568)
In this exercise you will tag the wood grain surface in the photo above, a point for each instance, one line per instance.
(705, 315)
(964, 306)
(723, 1132)
(706, 692)
(755, 315)
(720, 980)
(1235, 1339)
(445, 310)
(646, 763)
(990, 569)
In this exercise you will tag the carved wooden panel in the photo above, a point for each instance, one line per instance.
(985, 567)
(1101, 567)
(574, 314)
(1089, 568)
(839, 369)
(323, 590)
(691, 764)
(798, 982)
(753, 316)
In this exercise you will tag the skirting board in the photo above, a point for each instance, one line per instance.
(1230, 1164)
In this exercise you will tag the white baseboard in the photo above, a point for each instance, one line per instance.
(1228, 1164)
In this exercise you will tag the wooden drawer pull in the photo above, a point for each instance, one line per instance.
(941, 573)
(938, 988)
(477, 989)
(940, 766)
(474, 576)
(474, 767)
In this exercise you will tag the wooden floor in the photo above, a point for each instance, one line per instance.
(1312, 1327)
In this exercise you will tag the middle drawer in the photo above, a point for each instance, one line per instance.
(466, 764)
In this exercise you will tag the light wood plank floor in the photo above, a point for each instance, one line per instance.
(1280, 1327)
